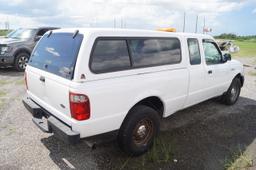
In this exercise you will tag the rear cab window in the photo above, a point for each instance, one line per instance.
(57, 54)
(194, 51)
(110, 55)
(155, 51)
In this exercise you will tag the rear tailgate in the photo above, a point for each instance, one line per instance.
(50, 72)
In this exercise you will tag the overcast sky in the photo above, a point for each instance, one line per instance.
(223, 16)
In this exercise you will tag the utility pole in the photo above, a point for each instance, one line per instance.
(196, 23)
(204, 26)
(184, 23)
(122, 23)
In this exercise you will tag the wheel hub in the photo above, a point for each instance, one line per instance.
(23, 62)
(143, 132)
(233, 91)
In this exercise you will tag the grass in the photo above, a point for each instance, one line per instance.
(239, 160)
(252, 73)
(4, 32)
(3, 93)
(4, 82)
(17, 82)
(247, 48)
(162, 152)
(20, 82)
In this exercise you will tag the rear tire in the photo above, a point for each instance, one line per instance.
(138, 130)
(21, 61)
(232, 95)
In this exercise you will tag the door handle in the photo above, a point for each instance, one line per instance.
(210, 72)
(42, 79)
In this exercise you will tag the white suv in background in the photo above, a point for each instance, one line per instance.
(85, 82)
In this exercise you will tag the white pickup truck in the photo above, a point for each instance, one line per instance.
(85, 82)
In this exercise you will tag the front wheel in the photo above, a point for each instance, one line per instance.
(138, 131)
(21, 61)
(232, 95)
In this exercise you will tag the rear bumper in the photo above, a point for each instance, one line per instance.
(50, 124)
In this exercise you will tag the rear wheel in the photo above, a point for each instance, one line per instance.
(232, 95)
(139, 129)
(21, 61)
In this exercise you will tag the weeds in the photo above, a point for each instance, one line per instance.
(161, 152)
(239, 160)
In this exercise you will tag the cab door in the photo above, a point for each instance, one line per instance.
(209, 75)
(197, 73)
(217, 78)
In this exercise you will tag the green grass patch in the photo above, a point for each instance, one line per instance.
(160, 154)
(20, 82)
(4, 32)
(3, 93)
(4, 82)
(239, 160)
(247, 48)
(252, 73)
(2, 100)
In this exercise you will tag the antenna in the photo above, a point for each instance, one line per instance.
(184, 23)
(204, 26)
(196, 23)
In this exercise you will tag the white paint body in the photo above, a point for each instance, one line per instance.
(112, 95)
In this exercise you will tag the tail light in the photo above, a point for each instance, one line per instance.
(26, 81)
(79, 106)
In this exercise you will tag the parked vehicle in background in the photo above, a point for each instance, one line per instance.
(86, 82)
(16, 47)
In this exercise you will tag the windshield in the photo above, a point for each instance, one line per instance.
(57, 54)
(22, 33)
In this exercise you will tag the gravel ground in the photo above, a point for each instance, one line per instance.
(205, 136)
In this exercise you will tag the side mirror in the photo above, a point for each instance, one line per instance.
(226, 57)
(37, 38)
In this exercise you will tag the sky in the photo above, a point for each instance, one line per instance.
(222, 16)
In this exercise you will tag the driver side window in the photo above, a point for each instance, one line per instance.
(212, 53)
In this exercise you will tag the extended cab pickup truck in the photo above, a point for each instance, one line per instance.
(85, 82)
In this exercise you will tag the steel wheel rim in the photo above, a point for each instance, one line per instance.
(22, 62)
(234, 92)
(143, 132)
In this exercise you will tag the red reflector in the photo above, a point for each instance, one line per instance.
(79, 106)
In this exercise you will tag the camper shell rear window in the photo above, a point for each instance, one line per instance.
(57, 53)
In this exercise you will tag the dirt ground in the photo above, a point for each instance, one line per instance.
(206, 136)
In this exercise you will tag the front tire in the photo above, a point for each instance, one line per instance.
(21, 61)
(232, 95)
(139, 129)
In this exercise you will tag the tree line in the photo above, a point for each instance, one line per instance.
(234, 36)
